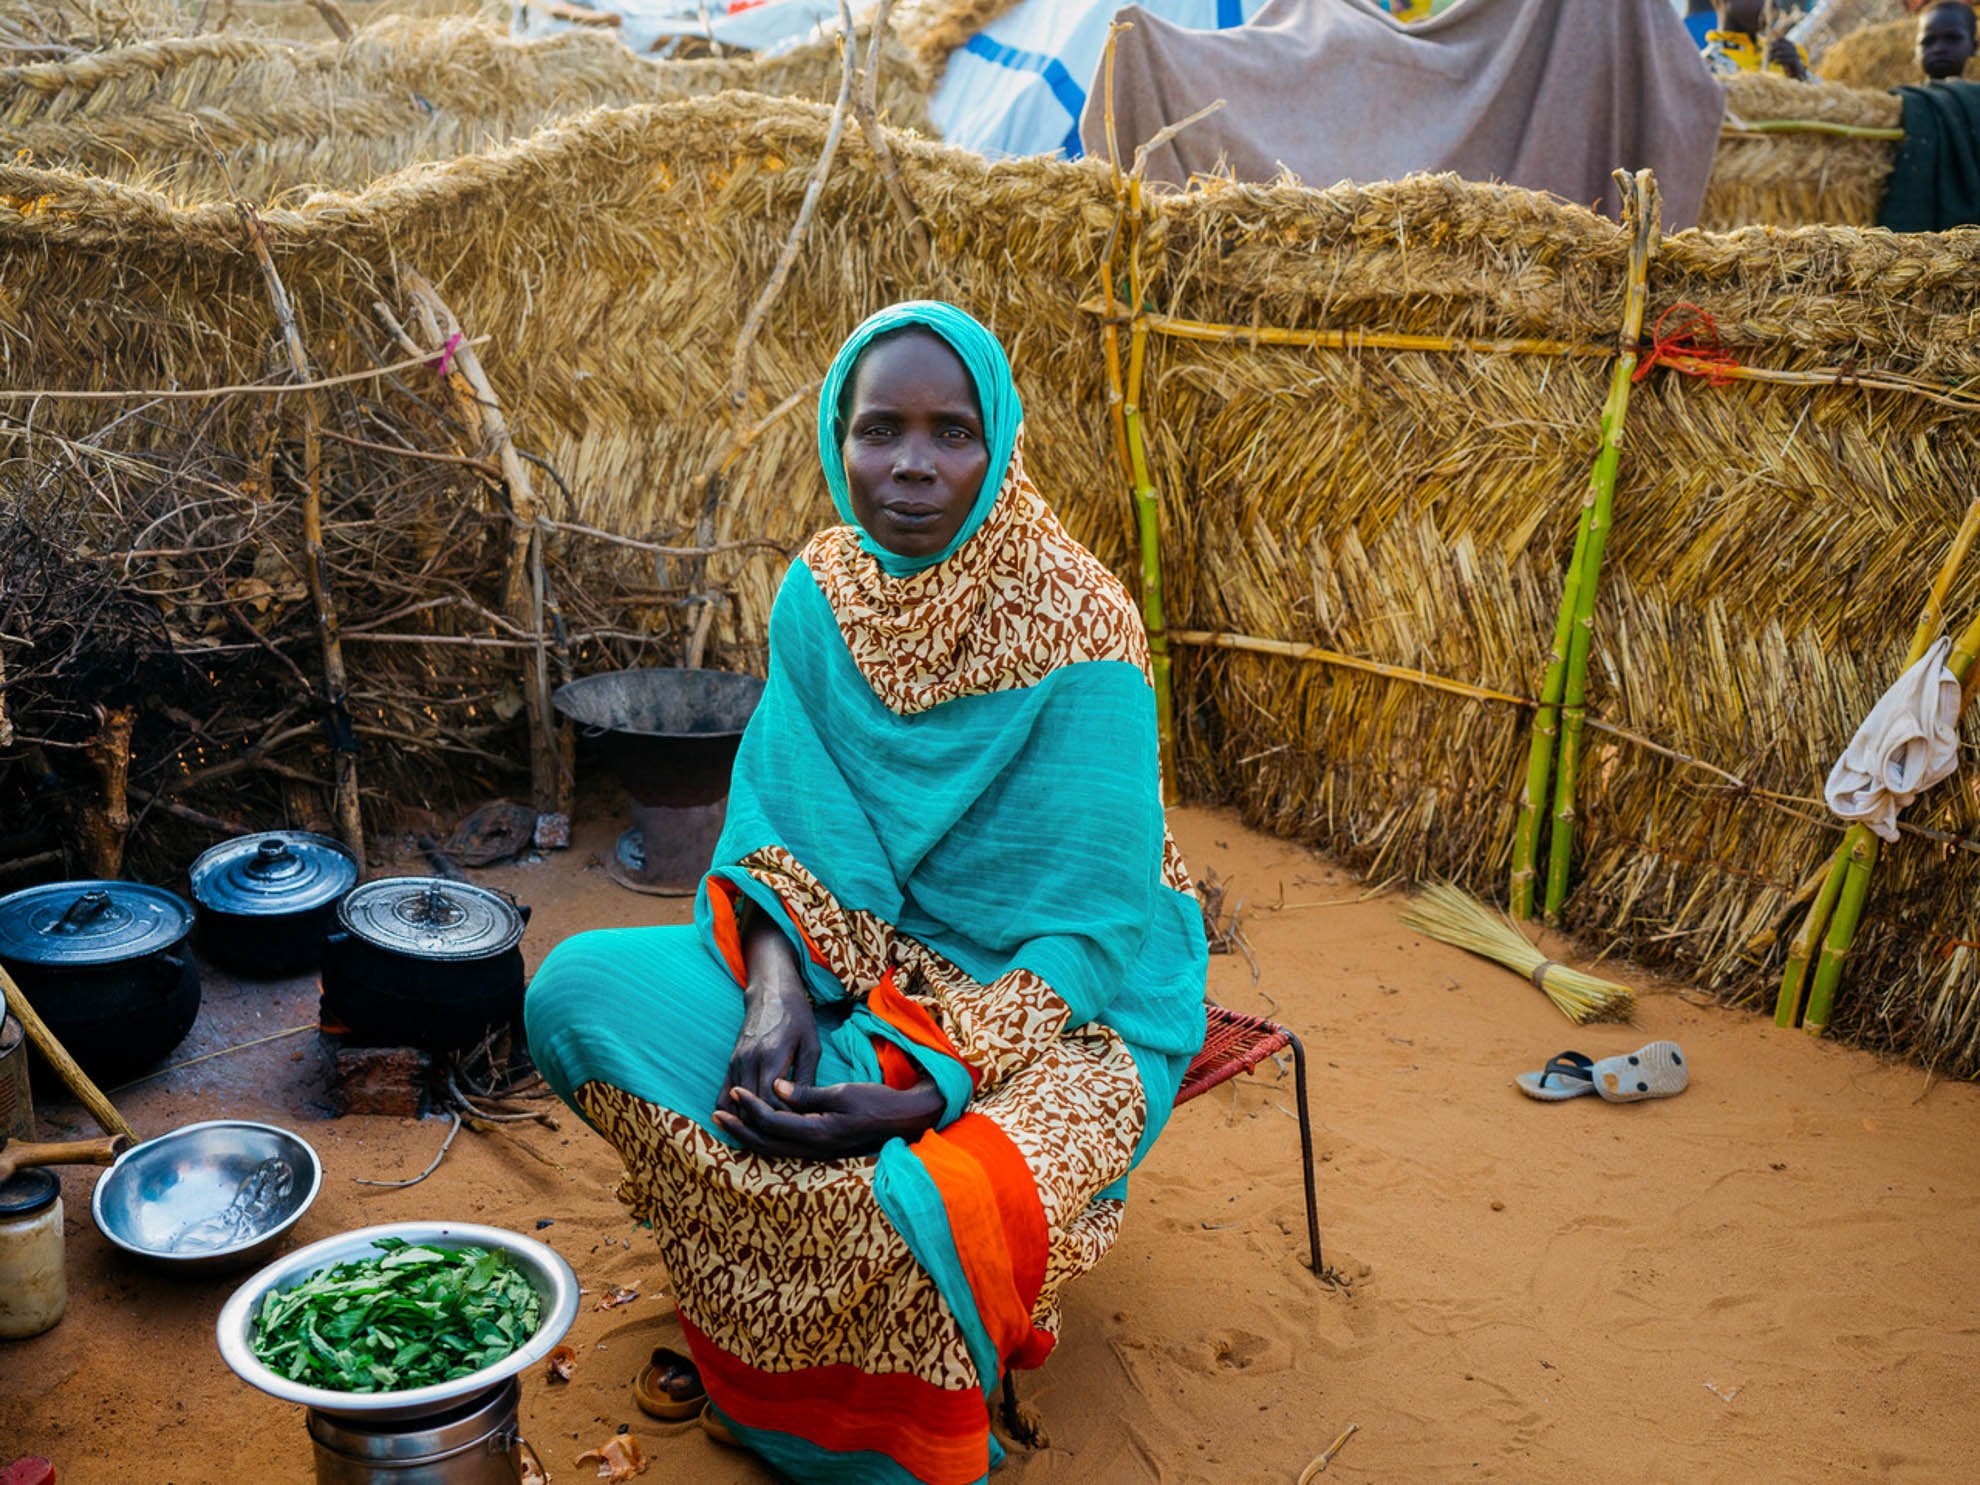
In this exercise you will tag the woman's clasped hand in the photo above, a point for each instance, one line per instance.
(770, 1104)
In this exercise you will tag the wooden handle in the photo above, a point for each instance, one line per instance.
(57, 1056)
(20, 1154)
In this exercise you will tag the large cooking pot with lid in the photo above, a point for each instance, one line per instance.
(104, 963)
(266, 901)
(424, 961)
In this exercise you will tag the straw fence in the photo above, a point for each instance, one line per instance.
(195, 117)
(1880, 56)
(1362, 534)
(1791, 154)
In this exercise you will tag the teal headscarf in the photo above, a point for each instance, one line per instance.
(988, 368)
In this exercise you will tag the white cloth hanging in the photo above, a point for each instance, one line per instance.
(1907, 744)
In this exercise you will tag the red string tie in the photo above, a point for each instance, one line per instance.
(446, 360)
(1690, 346)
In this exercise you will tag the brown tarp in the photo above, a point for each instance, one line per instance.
(1551, 94)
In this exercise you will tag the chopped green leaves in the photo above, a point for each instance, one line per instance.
(411, 1318)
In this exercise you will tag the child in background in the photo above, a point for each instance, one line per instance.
(1701, 19)
(1945, 39)
(1736, 47)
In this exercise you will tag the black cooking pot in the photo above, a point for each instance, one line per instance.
(423, 962)
(267, 901)
(104, 964)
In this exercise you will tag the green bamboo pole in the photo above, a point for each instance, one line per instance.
(1546, 721)
(1148, 518)
(1855, 861)
(1856, 858)
(1794, 980)
(1640, 216)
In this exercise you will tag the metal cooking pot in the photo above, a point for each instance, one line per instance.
(104, 963)
(424, 961)
(267, 901)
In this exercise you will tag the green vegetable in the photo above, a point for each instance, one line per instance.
(411, 1318)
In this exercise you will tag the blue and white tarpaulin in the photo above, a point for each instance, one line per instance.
(1017, 87)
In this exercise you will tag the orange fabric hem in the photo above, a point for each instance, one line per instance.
(936, 1434)
(913, 1022)
(977, 1226)
(722, 896)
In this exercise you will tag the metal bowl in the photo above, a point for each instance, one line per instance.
(208, 1197)
(549, 1275)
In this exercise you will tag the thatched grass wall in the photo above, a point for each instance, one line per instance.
(195, 116)
(1773, 543)
(1879, 56)
(1787, 178)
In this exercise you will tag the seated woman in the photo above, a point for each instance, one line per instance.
(879, 1102)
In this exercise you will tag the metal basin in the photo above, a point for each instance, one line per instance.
(669, 735)
(555, 1284)
(208, 1197)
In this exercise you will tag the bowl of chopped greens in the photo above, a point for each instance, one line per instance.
(399, 1320)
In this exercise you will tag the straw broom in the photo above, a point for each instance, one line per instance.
(1453, 916)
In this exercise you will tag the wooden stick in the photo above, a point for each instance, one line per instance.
(350, 821)
(237, 389)
(107, 819)
(551, 784)
(1320, 655)
(57, 1056)
(334, 18)
(753, 321)
(1944, 393)
(867, 109)
(19, 1154)
(1148, 523)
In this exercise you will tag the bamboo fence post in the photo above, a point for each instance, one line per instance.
(1854, 861)
(343, 746)
(1640, 215)
(523, 589)
(1147, 503)
(1148, 520)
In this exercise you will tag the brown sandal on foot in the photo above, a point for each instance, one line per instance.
(717, 1430)
(668, 1387)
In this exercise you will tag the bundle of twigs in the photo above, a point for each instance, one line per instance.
(1453, 916)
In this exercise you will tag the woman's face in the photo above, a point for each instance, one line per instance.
(913, 444)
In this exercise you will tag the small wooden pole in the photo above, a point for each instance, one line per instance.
(1148, 523)
(523, 590)
(107, 820)
(866, 107)
(336, 685)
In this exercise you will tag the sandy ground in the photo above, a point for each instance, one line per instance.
(1761, 1279)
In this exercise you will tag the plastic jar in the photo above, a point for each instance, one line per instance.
(34, 1290)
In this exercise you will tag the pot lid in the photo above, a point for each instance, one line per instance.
(432, 918)
(28, 1191)
(83, 923)
(275, 871)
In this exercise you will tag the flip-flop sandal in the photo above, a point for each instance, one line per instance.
(1568, 1076)
(668, 1387)
(1655, 1071)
